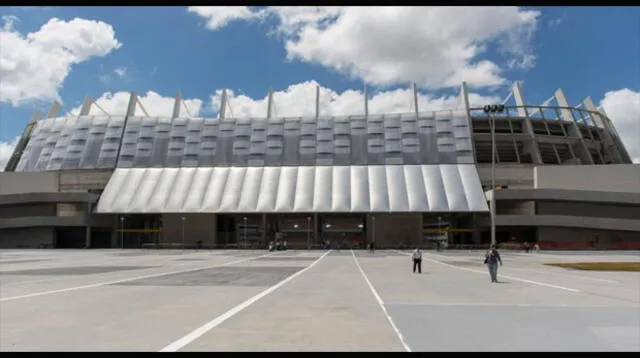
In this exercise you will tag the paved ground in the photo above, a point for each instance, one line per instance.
(126, 300)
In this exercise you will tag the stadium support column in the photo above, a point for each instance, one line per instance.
(463, 97)
(463, 103)
(574, 131)
(88, 227)
(131, 110)
(264, 229)
(415, 99)
(612, 153)
(176, 106)
(621, 148)
(86, 106)
(14, 159)
(366, 102)
(269, 103)
(317, 102)
(223, 104)
(534, 150)
(315, 228)
(53, 111)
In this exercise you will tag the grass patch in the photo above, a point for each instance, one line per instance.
(600, 266)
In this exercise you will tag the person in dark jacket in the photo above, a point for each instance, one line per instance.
(417, 260)
(492, 258)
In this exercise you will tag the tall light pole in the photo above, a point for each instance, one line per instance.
(308, 232)
(182, 218)
(122, 232)
(489, 109)
(245, 231)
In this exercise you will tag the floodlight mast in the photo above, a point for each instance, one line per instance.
(489, 110)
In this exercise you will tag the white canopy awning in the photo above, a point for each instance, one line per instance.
(304, 189)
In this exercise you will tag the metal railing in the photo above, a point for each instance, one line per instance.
(579, 115)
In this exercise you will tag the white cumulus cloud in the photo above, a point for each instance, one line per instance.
(434, 46)
(623, 107)
(33, 66)
(155, 104)
(6, 151)
(219, 16)
(299, 100)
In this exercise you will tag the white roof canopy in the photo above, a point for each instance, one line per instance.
(295, 189)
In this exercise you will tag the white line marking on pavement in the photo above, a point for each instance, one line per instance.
(198, 332)
(538, 271)
(381, 303)
(509, 277)
(564, 274)
(105, 283)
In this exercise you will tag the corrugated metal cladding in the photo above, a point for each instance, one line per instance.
(90, 142)
(304, 189)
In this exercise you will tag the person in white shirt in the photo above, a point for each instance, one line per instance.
(417, 260)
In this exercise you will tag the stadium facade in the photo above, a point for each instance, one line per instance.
(563, 179)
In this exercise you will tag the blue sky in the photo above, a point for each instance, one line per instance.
(588, 51)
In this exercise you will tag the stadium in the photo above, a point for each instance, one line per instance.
(560, 177)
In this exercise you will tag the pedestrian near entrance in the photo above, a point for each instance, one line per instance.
(492, 258)
(417, 260)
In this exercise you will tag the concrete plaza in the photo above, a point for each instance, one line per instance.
(233, 300)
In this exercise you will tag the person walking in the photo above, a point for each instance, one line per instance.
(417, 260)
(491, 259)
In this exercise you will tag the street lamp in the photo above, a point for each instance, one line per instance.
(489, 109)
(183, 219)
(245, 231)
(122, 232)
(308, 232)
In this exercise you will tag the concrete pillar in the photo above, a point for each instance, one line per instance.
(415, 99)
(269, 103)
(86, 106)
(176, 106)
(88, 227)
(264, 229)
(366, 101)
(463, 97)
(315, 228)
(420, 238)
(533, 148)
(115, 235)
(131, 107)
(518, 96)
(574, 131)
(612, 151)
(53, 111)
(317, 101)
(223, 104)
